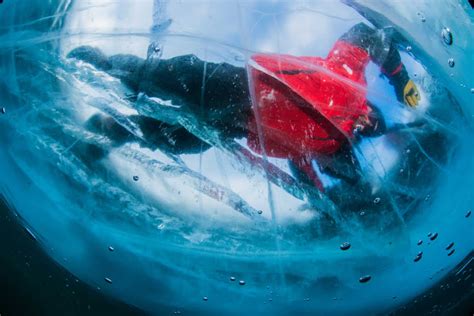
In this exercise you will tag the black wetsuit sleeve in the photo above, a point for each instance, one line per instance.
(195, 81)
(382, 51)
(217, 93)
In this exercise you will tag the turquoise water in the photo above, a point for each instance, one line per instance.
(161, 241)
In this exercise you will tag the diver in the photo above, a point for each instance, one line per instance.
(303, 108)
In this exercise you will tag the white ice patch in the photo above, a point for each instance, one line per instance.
(269, 96)
(348, 69)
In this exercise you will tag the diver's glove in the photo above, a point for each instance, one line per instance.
(411, 96)
(405, 88)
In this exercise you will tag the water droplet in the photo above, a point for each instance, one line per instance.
(205, 298)
(451, 252)
(377, 200)
(108, 280)
(408, 48)
(136, 178)
(451, 62)
(111, 248)
(345, 246)
(3, 110)
(434, 236)
(365, 279)
(419, 242)
(242, 282)
(468, 214)
(447, 36)
(450, 245)
(232, 278)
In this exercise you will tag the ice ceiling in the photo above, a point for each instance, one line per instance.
(227, 229)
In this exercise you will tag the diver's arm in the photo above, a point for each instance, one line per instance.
(184, 78)
(127, 68)
(383, 52)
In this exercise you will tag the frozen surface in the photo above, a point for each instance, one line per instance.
(182, 225)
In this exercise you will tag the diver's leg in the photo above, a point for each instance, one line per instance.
(217, 94)
(156, 134)
(171, 138)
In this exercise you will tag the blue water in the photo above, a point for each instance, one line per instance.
(162, 241)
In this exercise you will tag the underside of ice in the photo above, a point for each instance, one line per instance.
(183, 224)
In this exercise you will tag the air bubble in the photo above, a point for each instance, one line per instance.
(136, 178)
(345, 246)
(365, 279)
(108, 280)
(450, 245)
(259, 211)
(447, 36)
(242, 282)
(451, 62)
(232, 278)
(362, 213)
(468, 214)
(111, 248)
(377, 200)
(417, 257)
(472, 90)
(409, 48)
(434, 236)
(205, 298)
(3, 110)
(451, 252)
(419, 242)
